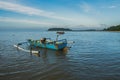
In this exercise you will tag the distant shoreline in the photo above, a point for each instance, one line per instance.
(110, 29)
(88, 31)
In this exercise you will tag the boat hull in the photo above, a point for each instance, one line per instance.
(55, 45)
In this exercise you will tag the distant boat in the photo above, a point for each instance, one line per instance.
(48, 43)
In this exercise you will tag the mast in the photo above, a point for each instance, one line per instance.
(59, 33)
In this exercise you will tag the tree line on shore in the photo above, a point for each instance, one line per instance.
(111, 28)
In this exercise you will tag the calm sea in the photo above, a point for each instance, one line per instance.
(93, 56)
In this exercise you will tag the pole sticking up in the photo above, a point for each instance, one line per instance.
(59, 33)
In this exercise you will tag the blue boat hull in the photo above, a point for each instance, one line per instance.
(55, 45)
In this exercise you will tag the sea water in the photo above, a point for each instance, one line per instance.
(93, 56)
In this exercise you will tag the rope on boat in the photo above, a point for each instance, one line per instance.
(22, 49)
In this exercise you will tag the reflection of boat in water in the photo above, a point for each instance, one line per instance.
(44, 52)
(48, 56)
(41, 52)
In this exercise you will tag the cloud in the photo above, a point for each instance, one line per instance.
(86, 7)
(71, 18)
(112, 7)
(5, 19)
(29, 10)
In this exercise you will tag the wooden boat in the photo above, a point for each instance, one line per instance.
(48, 43)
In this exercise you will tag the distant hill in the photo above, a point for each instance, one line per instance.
(113, 28)
(67, 29)
(59, 29)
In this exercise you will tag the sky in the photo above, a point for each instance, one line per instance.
(81, 14)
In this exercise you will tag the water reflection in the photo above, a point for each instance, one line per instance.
(45, 52)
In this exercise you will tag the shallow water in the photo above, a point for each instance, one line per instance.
(94, 56)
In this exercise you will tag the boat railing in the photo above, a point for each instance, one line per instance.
(61, 41)
(49, 41)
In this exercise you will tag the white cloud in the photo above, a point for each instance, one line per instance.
(29, 10)
(112, 7)
(75, 19)
(5, 19)
(86, 7)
